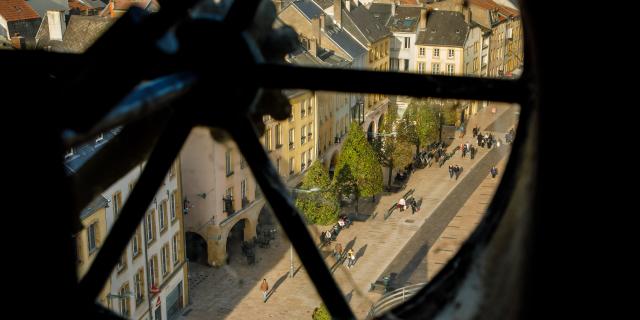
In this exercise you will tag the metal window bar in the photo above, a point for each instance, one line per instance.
(176, 130)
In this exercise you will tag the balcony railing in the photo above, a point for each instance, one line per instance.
(228, 205)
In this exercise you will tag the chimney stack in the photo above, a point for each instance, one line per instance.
(393, 9)
(423, 17)
(348, 5)
(56, 25)
(337, 12)
(313, 47)
(318, 28)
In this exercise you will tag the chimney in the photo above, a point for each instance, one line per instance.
(467, 14)
(56, 25)
(348, 5)
(337, 12)
(318, 28)
(313, 47)
(423, 18)
(393, 8)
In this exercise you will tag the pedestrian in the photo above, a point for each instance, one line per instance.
(402, 204)
(264, 287)
(351, 257)
(413, 205)
(338, 251)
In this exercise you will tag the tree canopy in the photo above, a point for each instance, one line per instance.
(358, 167)
(320, 207)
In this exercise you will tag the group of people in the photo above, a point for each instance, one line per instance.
(509, 136)
(455, 170)
(411, 202)
(331, 234)
(338, 254)
(470, 149)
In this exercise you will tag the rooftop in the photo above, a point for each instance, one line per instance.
(42, 6)
(80, 34)
(363, 25)
(16, 10)
(444, 28)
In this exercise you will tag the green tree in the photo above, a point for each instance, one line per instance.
(358, 171)
(393, 152)
(421, 125)
(321, 313)
(320, 207)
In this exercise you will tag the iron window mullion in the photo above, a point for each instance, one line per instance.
(389, 83)
(291, 221)
(161, 159)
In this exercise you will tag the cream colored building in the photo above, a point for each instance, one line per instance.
(440, 42)
(221, 198)
(150, 280)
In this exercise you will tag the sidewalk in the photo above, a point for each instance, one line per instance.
(233, 291)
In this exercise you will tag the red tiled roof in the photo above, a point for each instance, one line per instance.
(15, 10)
(409, 2)
(489, 4)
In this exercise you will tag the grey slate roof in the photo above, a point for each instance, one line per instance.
(444, 28)
(309, 8)
(405, 20)
(381, 12)
(345, 41)
(95, 205)
(42, 6)
(304, 58)
(361, 23)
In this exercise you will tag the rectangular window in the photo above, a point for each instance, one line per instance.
(164, 259)
(450, 69)
(173, 205)
(436, 53)
(227, 204)
(138, 285)
(278, 165)
(303, 134)
(407, 42)
(303, 161)
(278, 135)
(135, 243)
(153, 271)
(92, 233)
(422, 52)
(122, 263)
(406, 64)
(162, 215)
(174, 249)
(151, 233)
(309, 157)
(435, 68)
(303, 108)
(117, 203)
(228, 164)
(451, 54)
(292, 163)
(292, 137)
(124, 300)
(267, 139)
(421, 67)
(309, 131)
(310, 106)
(293, 108)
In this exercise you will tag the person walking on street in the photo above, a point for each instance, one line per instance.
(338, 251)
(494, 171)
(402, 204)
(351, 258)
(264, 287)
